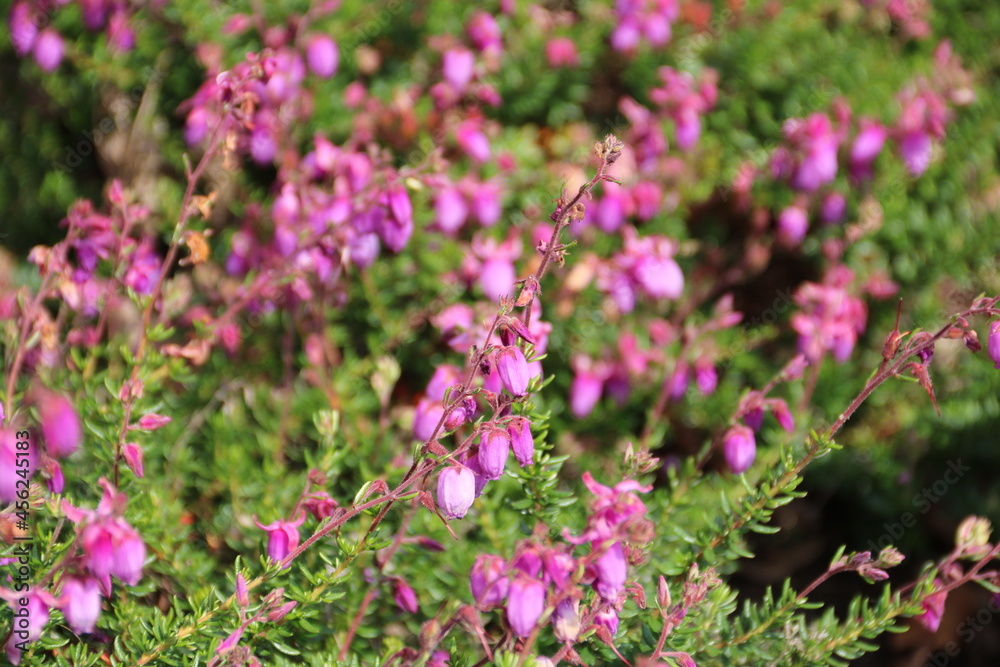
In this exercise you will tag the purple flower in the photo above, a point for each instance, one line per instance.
(525, 604)
(48, 49)
(322, 56)
(456, 491)
(282, 537)
(458, 65)
(521, 440)
(793, 223)
(396, 228)
(81, 603)
(915, 148)
(607, 618)
(488, 581)
(833, 208)
(739, 448)
(705, 376)
(494, 448)
(993, 343)
(404, 595)
(611, 570)
(867, 146)
(53, 474)
(513, 370)
(143, 269)
(60, 425)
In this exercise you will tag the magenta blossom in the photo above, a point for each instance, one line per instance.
(60, 424)
(282, 536)
(739, 447)
(110, 545)
(322, 56)
(81, 603)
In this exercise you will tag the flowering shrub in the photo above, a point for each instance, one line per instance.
(261, 391)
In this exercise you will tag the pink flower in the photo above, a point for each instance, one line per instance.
(282, 537)
(521, 440)
(739, 448)
(494, 448)
(322, 55)
(48, 49)
(110, 545)
(793, 223)
(488, 581)
(458, 66)
(611, 571)
(456, 491)
(561, 52)
(472, 141)
(497, 277)
(60, 424)
(23, 28)
(586, 387)
(81, 603)
(513, 369)
(933, 606)
(450, 209)
(525, 604)
(426, 418)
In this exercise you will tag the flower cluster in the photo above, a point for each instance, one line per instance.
(540, 576)
(31, 31)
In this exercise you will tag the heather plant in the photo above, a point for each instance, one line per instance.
(434, 334)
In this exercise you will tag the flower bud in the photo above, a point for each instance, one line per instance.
(404, 595)
(456, 491)
(488, 581)
(973, 536)
(153, 421)
(739, 448)
(781, 412)
(525, 604)
(241, 590)
(133, 458)
(53, 474)
(494, 448)
(663, 594)
(521, 440)
(513, 370)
